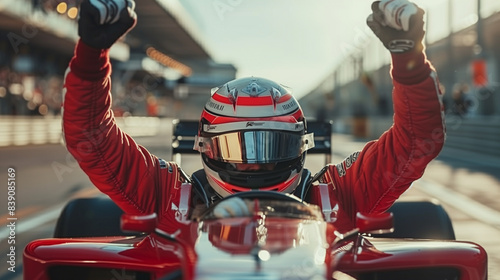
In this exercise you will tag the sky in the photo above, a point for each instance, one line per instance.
(297, 43)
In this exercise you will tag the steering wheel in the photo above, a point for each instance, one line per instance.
(264, 195)
(261, 195)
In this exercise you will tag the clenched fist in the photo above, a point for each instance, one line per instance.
(103, 22)
(399, 24)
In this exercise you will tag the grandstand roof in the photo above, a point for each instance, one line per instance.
(166, 26)
(162, 24)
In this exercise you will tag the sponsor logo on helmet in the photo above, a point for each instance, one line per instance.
(253, 89)
(210, 127)
(289, 105)
(254, 124)
(215, 106)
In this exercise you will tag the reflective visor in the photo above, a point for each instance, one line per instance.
(266, 146)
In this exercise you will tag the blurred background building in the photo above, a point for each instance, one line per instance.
(157, 68)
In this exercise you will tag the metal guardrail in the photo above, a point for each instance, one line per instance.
(21, 131)
(473, 139)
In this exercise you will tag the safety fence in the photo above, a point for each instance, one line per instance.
(473, 139)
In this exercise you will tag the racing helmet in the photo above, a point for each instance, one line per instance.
(252, 136)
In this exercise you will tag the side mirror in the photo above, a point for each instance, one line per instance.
(138, 223)
(375, 223)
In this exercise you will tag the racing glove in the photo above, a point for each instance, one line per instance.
(398, 24)
(103, 22)
(232, 207)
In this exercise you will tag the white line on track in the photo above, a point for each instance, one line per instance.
(30, 223)
(461, 202)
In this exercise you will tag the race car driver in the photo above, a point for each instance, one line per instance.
(252, 133)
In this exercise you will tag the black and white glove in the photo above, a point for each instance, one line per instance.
(103, 22)
(232, 207)
(399, 24)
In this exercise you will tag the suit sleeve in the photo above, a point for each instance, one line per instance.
(371, 180)
(116, 165)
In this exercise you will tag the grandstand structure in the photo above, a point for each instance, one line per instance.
(163, 59)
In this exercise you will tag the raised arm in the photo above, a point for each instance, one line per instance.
(371, 180)
(112, 160)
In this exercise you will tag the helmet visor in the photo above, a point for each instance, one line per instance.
(267, 146)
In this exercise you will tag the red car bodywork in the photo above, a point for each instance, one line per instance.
(263, 246)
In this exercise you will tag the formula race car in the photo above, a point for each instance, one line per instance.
(282, 238)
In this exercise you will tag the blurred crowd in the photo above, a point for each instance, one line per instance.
(31, 77)
(32, 74)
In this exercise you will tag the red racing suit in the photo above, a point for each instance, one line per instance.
(140, 183)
